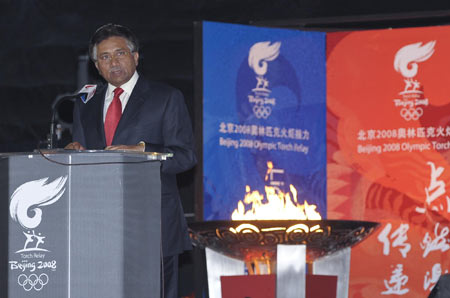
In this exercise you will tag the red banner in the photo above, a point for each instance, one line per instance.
(388, 154)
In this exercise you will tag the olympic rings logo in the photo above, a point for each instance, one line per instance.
(261, 111)
(411, 113)
(33, 281)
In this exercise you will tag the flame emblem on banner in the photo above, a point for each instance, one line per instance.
(407, 57)
(406, 63)
(260, 53)
(32, 195)
(259, 56)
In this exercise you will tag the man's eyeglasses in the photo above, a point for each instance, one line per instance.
(120, 54)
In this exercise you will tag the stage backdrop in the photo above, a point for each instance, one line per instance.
(388, 140)
(263, 115)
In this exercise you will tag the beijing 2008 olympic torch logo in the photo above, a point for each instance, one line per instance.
(25, 209)
(406, 63)
(259, 56)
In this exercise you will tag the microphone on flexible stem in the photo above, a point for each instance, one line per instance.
(51, 144)
(85, 94)
(51, 139)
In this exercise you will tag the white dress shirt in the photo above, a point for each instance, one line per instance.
(124, 97)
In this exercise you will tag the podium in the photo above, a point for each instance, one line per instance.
(80, 224)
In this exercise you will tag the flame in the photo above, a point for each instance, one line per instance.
(279, 205)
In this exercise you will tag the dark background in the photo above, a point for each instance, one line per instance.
(44, 46)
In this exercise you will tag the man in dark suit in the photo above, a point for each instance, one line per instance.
(130, 113)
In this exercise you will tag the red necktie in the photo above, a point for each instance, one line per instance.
(113, 116)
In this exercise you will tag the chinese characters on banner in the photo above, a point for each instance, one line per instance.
(388, 154)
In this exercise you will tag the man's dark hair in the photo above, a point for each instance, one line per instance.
(110, 30)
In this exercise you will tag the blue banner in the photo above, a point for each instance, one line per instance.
(264, 117)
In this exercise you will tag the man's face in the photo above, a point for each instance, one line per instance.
(115, 63)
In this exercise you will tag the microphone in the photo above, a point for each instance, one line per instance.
(51, 144)
(85, 94)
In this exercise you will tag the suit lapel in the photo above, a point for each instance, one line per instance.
(131, 109)
(93, 121)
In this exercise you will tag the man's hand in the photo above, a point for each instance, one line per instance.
(74, 146)
(134, 148)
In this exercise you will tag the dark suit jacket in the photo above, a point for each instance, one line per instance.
(156, 114)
